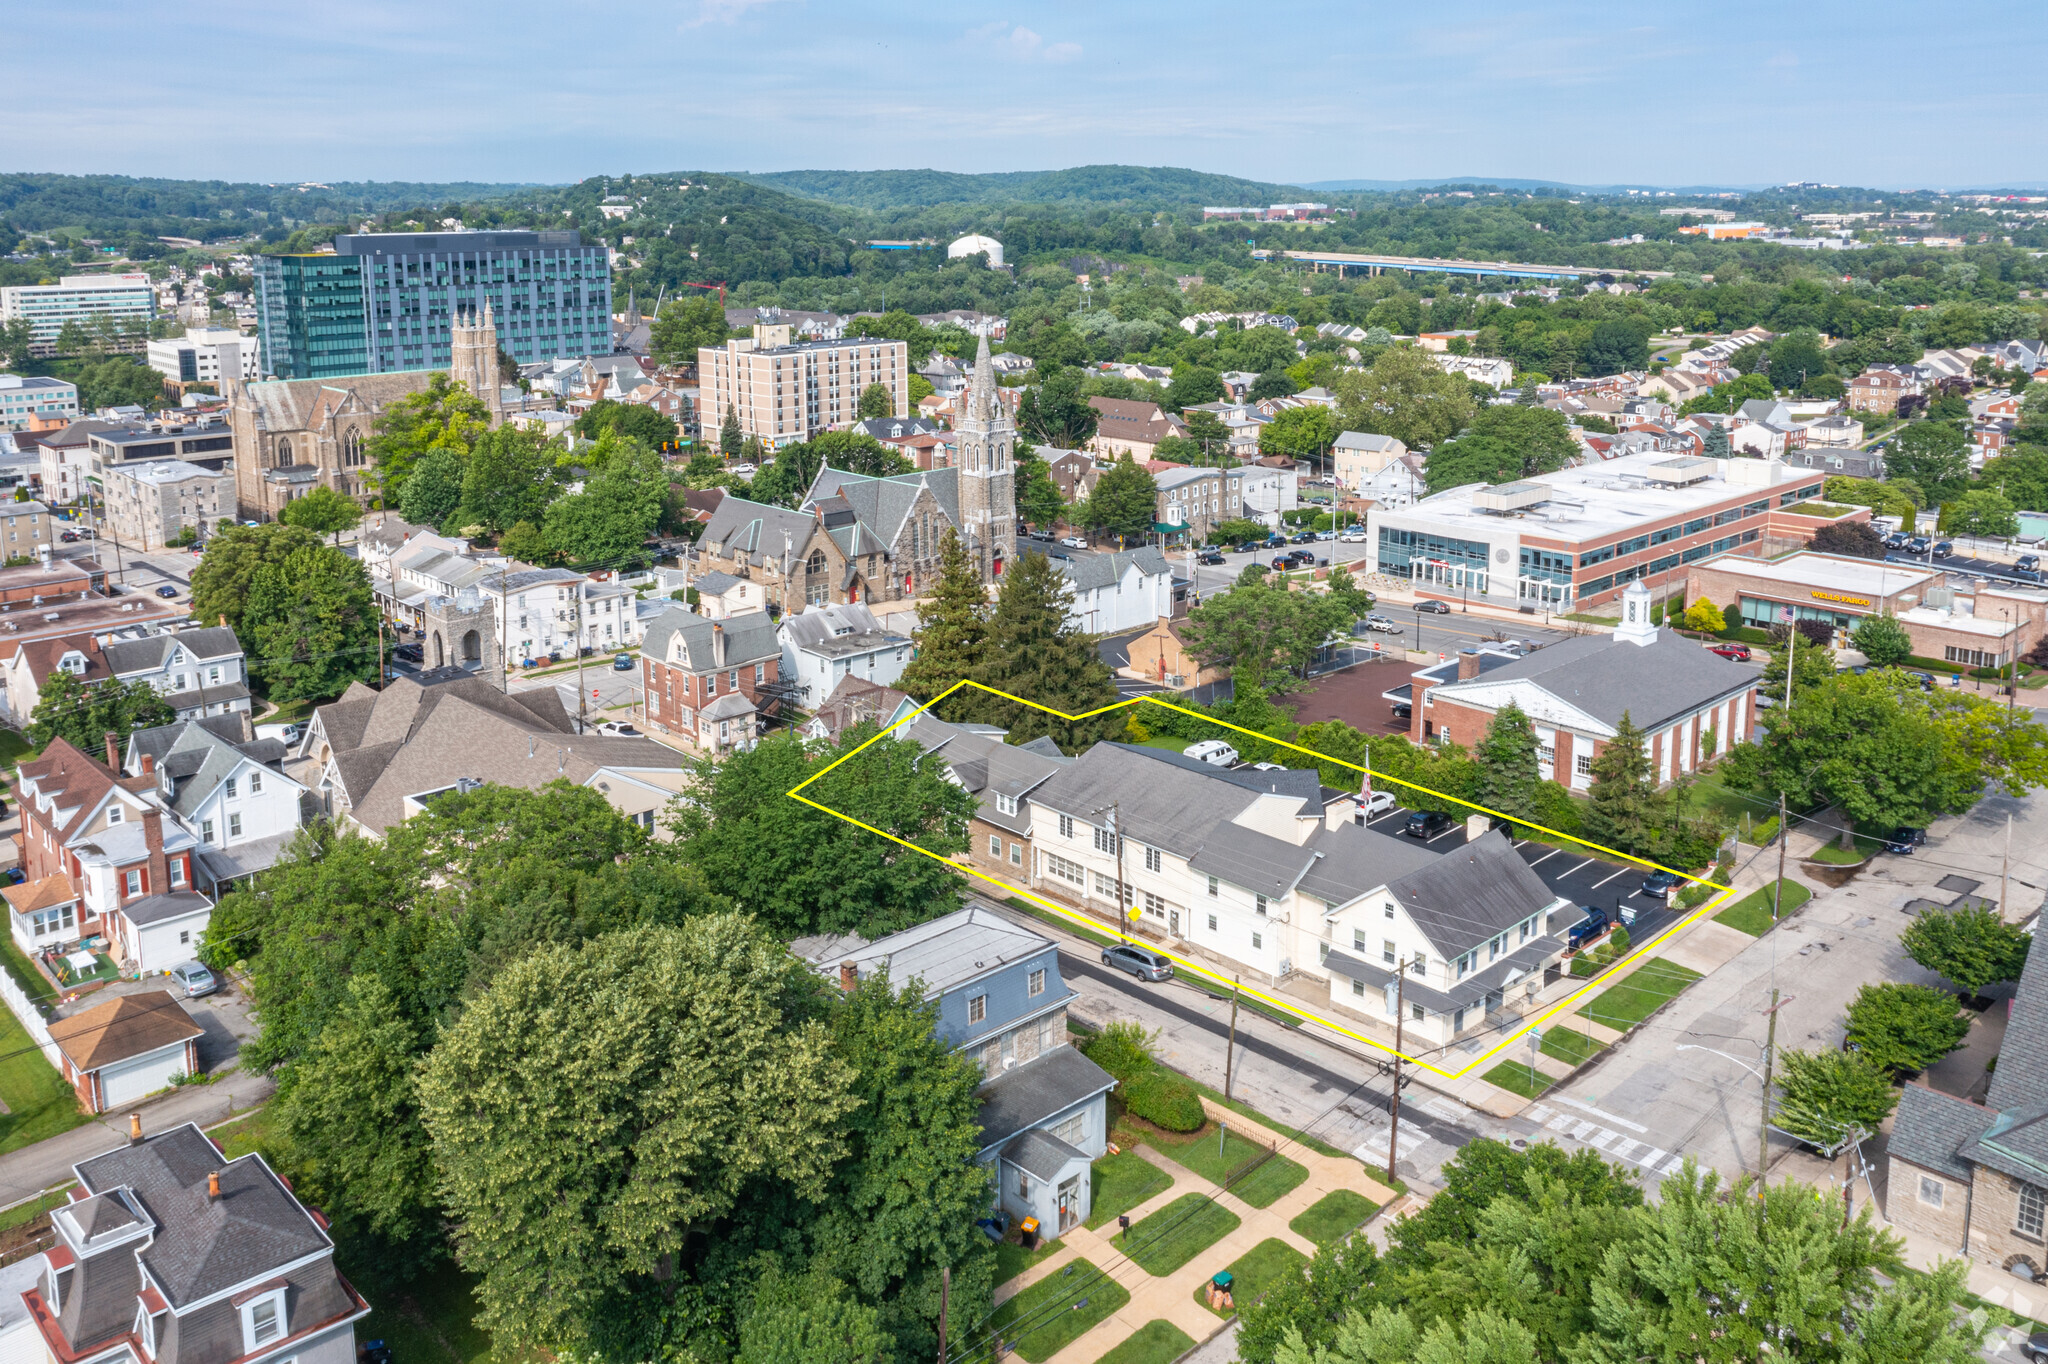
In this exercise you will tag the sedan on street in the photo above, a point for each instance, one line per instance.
(1433, 607)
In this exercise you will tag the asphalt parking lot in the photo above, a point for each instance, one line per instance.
(1580, 877)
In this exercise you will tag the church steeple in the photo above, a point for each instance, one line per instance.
(473, 358)
(987, 473)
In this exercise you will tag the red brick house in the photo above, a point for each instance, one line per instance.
(710, 682)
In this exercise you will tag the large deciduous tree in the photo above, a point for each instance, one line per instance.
(1969, 945)
(619, 507)
(802, 870)
(1934, 455)
(310, 626)
(686, 325)
(322, 511)
(600, 1109)
(1055, 412)
(1828, 1097)
(67, 707)
(1903, 1028)
(1405, 395)
(1123, 503)
(510, 477)
(221, 582)
(443, 415)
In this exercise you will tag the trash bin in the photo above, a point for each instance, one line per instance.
(1223, 1280)
(1027, 1233)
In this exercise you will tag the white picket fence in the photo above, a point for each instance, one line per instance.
(31, 1018)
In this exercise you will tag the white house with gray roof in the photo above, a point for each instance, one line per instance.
(1116, 592)
(230, 791)
(1259, 872)
(199, 671)
(1003, 1005)
(824, 645)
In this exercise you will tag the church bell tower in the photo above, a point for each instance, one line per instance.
(473, 358)
(988, 461)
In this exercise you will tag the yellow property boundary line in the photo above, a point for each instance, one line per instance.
(1633, 958)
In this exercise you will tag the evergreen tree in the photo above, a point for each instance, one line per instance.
(952, 634)
(1716, 443)
(1035, 654)
(1507, 763)
(1621, 804)
(729, 439)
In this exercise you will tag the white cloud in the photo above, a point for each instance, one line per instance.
(722, 11)
(1021, 43)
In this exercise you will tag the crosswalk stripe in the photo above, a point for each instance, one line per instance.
(1605, 1140)
(1539, 1112)
(1582, 1129)
(1443, 1108)
(1560, 1122)
(1650, 1161)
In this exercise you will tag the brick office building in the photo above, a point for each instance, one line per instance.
(1576, 693)
(711, 682)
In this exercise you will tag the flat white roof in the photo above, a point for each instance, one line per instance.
(1594, 502)
(1827, 572)
(1950, 620)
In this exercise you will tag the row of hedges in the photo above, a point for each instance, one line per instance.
(1149, 1091)
(1592, 962)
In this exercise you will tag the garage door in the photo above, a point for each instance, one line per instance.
(131, 1080)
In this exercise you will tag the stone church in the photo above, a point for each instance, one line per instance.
(859, 538)
(294, 435)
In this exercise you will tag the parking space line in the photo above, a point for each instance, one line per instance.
(1546, 857)
(1598, 884)
(1446, 833)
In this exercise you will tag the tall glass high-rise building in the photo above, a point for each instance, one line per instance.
(384, 301)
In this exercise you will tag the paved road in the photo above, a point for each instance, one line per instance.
(32, 1169)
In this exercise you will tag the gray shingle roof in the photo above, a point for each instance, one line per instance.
(1105, 570)
(1603, 677)
(716, 584)
(2016, 1142)
(2021, 1080)
(945, 953)
(758, 533)
(1042, 1154)
(127, 656)
(1050, 1083)
(1932, 1127)
(682, 637)
(1163, 799)
(152, 909)
(1468, 896)
(1356, 859)
(986, 767)
(205, 1246)
(881, 504)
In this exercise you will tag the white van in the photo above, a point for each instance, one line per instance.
(1214, 752)
(288, 735)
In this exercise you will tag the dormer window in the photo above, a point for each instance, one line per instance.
(114, 815)
(1006, 805)
(263, 1320)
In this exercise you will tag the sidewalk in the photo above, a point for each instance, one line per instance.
(1173, 1297)
(32, 1169)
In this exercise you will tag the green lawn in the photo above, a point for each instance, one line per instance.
(34, 1208)
(1257, 1271)
(251, 1133)
(1051, 1312)
(39, 1103)
(1177, 1233)
(1260, 1187)
(1517, 1077)
(32, 982)
(1837, 856)
(13, 747)
(1630, 1001)
(1572, 1048)
(1712, 796)
(1156, 1342)
(1333, 1217)
(1121, 1182)
(1012, 1259)
(1752, 913)
(432, 1322)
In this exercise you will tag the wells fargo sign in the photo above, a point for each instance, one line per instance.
(1836, 596)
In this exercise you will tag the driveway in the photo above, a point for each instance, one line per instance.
(224, 1015)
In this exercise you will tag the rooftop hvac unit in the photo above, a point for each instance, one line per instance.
(1681, 472)
(1511, 497)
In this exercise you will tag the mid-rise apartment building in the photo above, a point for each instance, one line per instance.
(784, 392)
(388, 301)
(27, 399)
(25, 530)
(84, 299)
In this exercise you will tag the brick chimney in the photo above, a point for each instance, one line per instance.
(849, 976)
(1468, 664)
(717, 647)
(149, 764)
(135, 1129)
(213, 1186)
(113, 750)
(153, 839)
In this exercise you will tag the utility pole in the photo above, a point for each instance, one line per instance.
(1230, 1047)
(582, 701)
(504, 621)
(1394, 1105)
(945, 1296)
(1763, 1131)
(1784, 836)
(380, 651)
(1122, 892)
(2005, 869)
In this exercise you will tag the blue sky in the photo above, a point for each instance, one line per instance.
(1860, 93)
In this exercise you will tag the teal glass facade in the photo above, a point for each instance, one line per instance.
(309, 311)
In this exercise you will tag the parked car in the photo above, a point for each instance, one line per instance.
(622, 663)
(1738, 652)
(1074, 542)
(1268, 767)
(197, 548)
(1381, 625)
(284, 734)
(1904, 839)
(1926, 680)
(1403, 711)
(1586, 929)
(167, 590)
(1896, 540)
(1433, 607)
(1326, 535)
(1143, 964)
(69, 537)
(1660, 884)
(619, 728)
(1355, 537)
(2028, 563)
(1307, 537)
(410, 653)
(1281, 563)
(1301, 556)
(1250, 547)
(193, 979)
(1214, 752)
(1426, 824)
(1276, 541)
(1942, 549)
(1919, 544)
(1378, 803)
(1210, 557)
